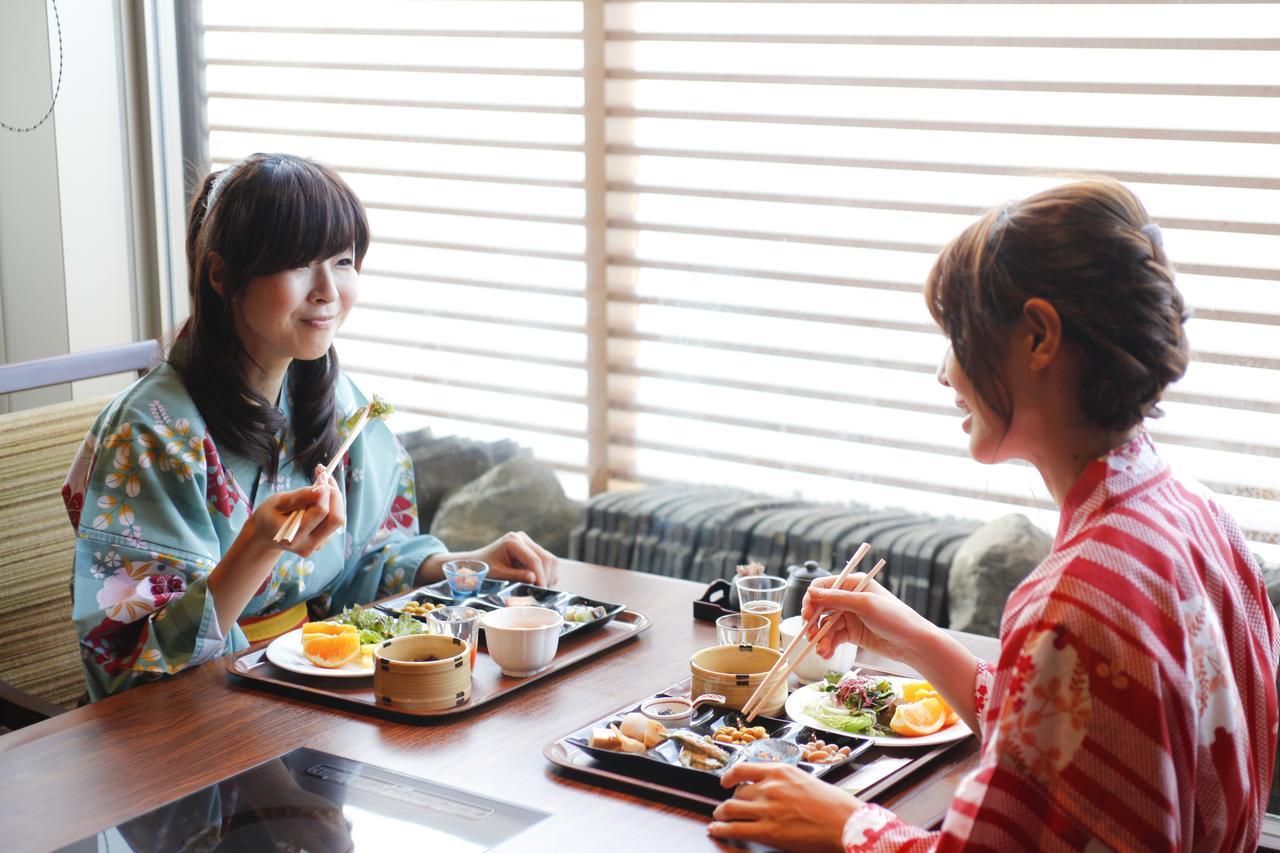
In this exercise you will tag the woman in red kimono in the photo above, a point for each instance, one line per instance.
(1133, 706)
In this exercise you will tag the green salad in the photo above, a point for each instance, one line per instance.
(375, 626)
(855, 703)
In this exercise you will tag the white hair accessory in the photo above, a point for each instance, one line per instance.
(214, 190)
(1153, 234)
(997, 228)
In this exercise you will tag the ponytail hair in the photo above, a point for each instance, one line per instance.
(265, 214)
(1089, 249)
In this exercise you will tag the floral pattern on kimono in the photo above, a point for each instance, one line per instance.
(155, 503)
(1134, 703)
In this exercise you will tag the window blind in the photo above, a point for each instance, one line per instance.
(685, 240)
(460, 126)
(781, 176)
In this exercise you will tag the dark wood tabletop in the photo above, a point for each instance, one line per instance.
(89, 769)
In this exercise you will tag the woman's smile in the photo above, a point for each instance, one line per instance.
(319, 323)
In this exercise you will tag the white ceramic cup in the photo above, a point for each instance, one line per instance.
(812, 667)
(522, 640)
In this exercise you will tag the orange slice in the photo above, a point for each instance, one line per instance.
(331, 650)
(330, 629)
(917, 719)
(914, 691)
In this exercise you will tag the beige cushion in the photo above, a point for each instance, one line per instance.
(40, 653)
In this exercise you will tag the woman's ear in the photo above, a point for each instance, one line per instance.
(1043, 332)
(217, 273)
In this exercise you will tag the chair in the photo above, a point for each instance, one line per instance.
(40, 672)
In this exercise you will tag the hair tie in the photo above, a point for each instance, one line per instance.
(1153, 233)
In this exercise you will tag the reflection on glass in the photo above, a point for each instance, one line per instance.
(311, 801)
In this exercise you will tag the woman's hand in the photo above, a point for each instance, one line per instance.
(873, 619)
(877, 620)
(307, 821)
(297, 818)
(514, 557)
(783, 807)
(249, 560)
(324, 513)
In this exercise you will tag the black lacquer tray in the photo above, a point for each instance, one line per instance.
(495, 594)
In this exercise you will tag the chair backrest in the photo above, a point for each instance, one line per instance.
(41, 655)
(26, 375)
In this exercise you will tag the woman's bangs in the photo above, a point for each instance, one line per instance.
(310, 216)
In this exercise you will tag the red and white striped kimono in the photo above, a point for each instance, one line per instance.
(1134, 704)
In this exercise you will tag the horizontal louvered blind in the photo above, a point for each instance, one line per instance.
(781, 176)
(460, 125)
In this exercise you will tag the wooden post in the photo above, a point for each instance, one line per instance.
(593, 108)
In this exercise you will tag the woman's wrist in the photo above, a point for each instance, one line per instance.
(946, 664)
(432, 568)
(932, 651)
(927, 648)
(240, 572)
(254, 541)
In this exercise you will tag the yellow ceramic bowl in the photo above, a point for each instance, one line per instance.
(736, 672)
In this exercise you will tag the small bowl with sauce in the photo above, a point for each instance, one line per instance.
(677, 710)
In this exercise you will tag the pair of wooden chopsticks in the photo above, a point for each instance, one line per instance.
(289, 529)
(785, 664)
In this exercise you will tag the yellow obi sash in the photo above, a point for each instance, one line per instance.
(271, 625)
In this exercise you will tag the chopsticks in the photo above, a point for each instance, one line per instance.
(289, 529)
(786, 663)
(771, 677)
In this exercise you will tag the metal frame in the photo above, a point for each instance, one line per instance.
(43, 372)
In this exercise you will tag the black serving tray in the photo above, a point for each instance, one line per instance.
(701, 789)
(662, 762)
(440, 592)
(497, 592)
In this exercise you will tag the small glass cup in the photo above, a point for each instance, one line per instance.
(465, 576)
(743, 629)
(772, 750)
(460, 622)
(763, 594)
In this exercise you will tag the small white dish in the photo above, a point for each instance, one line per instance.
(285, 652)
(676, 710)
(522, 640)
(811, 666)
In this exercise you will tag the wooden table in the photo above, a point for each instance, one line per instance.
(89, 769)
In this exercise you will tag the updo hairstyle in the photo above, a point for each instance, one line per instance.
(1090, 250)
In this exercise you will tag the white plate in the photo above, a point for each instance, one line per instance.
(804, 697)
(285, 652)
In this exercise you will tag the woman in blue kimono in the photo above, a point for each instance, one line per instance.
(185, 478)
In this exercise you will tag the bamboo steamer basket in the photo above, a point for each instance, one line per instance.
(422, 672)
(735, 672)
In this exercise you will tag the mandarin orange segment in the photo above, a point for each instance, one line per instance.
(914, 691)
(917, 719)
(327, 629)
(331, 650)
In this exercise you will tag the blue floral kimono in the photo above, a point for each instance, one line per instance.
(155, 505)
